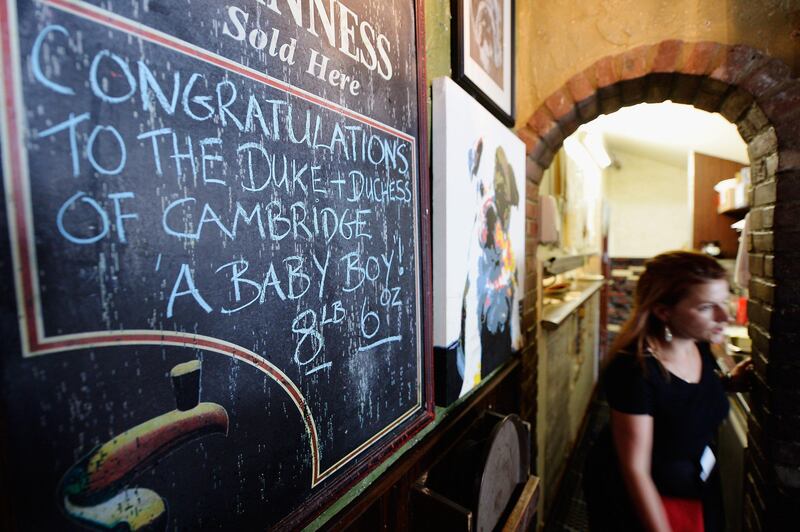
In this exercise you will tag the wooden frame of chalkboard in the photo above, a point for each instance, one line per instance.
(171, 218)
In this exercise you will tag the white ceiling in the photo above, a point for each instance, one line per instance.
(668, 132)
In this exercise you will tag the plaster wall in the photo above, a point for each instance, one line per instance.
(649, 205)
(556, 40)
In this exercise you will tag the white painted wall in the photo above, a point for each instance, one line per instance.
(649, 202)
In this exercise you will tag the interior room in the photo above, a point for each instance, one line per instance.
(388, 265)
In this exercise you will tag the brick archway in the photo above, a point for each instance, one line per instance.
(758, 94)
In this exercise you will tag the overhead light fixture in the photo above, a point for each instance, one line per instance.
(578, 152)
(596, 148)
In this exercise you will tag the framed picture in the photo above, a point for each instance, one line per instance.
(484, 53)
(478, 241)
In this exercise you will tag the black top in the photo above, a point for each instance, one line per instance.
(685, 415)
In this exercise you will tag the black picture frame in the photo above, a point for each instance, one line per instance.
(499, 98)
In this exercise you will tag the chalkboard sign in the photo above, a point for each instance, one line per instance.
(215, 256)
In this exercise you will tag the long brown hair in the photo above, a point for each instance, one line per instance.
(666, 280)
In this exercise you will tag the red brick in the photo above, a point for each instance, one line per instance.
(760, 313)
(735, 104)
(739, 62)
(531, 190)
(699, 57)
(544, 125)
(756, 117)
(707, 101)
(542, 121)
(546, 158)
(756, 261)
(667, 57)
(758, 170)
(762, 144)
(768, 76)
(762, 290)
(633, 91)
(658, 87)
(747, 129)
(685, 88)
(763, 241)
(765, 193)
(560, 103)
(530, 138)
(611, 104)
(771, 165)
(530, 264)
(783, 103)
(606, 72)
(580, 87)
(533, 172)
(528, 318)
(768, 217)
(588, 109)
(634, 63)
(714, 86)
(542, 155)
(530, 281)
(757, 219)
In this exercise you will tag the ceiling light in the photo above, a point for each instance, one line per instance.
(596, 148)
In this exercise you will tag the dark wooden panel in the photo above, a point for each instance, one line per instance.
(386, 504)
(708, 225)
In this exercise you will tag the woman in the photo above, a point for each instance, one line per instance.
(653, 467)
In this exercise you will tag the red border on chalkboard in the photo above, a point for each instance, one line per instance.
(35, 343)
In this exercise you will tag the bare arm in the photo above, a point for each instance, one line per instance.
(633, 441)
(740, 378)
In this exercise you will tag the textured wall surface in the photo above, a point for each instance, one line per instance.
(649, 202)
(559, 39)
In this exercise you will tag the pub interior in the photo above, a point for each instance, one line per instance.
(358, 264)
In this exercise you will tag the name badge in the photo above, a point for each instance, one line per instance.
(707, 461)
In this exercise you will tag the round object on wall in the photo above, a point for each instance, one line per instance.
(505, 467)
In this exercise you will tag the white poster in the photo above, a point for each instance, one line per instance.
(478, 238)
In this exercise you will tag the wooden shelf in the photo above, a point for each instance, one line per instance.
(554, 314)
(556, 265)
(737, 212)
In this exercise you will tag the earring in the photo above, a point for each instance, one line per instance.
(667, 334)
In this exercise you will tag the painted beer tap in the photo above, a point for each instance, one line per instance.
(95, 491)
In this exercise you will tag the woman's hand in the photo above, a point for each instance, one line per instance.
(740, 378)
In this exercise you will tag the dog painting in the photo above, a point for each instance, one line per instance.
(478, 240)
